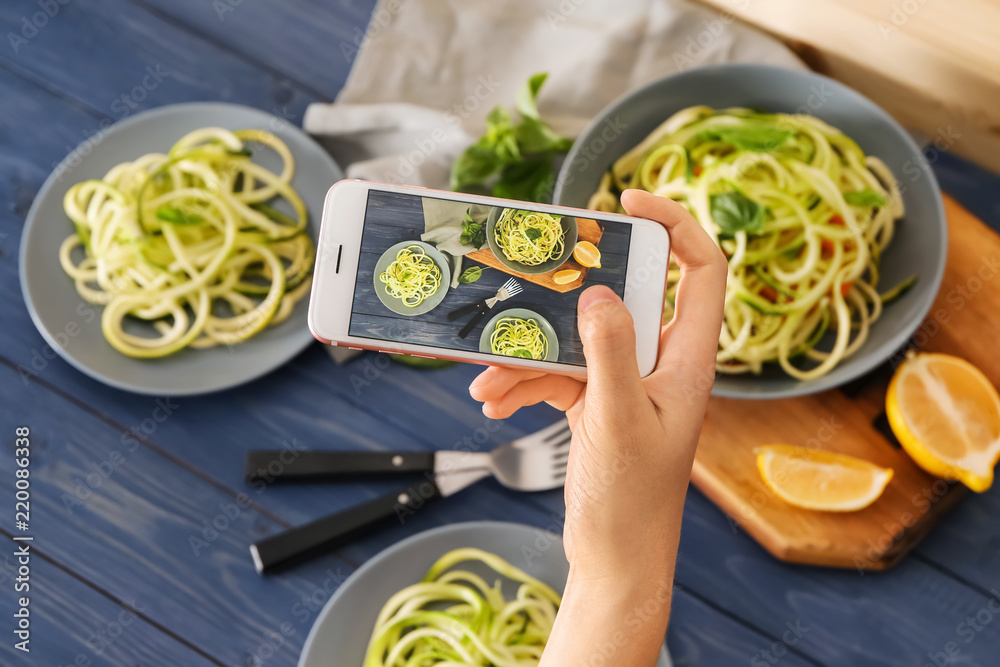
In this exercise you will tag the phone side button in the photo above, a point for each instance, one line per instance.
(422, 356)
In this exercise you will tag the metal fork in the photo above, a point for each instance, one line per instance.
(506, 291)
(509, 289)
(535, 462)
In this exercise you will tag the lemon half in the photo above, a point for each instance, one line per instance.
(946, 415)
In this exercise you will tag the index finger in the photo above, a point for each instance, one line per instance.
(698, 304)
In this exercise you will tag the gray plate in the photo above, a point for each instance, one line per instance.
(569, 229)
(919, 246)
(523, 313)
(73, 327)
(340, 634)
(396, 305)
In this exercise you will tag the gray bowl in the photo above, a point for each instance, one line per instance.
(73, 327)
(396, 305)
(920, 244)
(543, 324)
(341, 632)
(569, 229)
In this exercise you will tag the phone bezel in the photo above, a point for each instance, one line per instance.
(335, 275)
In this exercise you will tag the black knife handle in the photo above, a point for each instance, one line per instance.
(284, 465)
(471, 324)
(465, 310)
(326, 533)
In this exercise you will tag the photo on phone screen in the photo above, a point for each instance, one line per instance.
(433, 272)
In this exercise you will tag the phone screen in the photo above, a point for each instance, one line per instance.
(460, 276)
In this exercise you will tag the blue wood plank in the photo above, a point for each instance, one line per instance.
(459, 413)
(140, 528)
(975, 188)
(73, 625)
(313, 43)
(118, 60)
(701, 635)
(900, 617)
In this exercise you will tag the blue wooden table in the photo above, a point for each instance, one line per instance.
(140, 515)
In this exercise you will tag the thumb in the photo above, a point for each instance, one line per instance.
(608, 336)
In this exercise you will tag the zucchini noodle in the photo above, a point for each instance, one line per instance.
(412, 276)
(529, 238)
(516, 337)
(188, 242)
(801, 213)
(453, 617)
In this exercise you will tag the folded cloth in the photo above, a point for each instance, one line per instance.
(444, 230)
(428, 72)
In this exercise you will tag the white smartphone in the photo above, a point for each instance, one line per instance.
(429, 273)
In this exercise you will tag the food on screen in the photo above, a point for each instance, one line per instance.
(412, 277)
(517, 337)
(528, 237)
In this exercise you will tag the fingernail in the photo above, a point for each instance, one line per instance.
(594, 295)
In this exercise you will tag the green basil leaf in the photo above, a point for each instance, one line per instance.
(471, 274)
(735, 212)
(534, 136)
(528, 93)
(532, 234)
(512, 160)
(176, 216)
(473, 233)
(755, 138)
(476, 164)
(866, 197)
(531, 180)
(524, 354)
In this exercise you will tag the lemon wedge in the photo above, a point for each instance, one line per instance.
(565, 276)
(946, 414)
(819, 480)
(587, 254)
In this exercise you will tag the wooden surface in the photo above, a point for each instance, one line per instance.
(391, 218)
(587, 230)
(935, 66)
(964, 321)
(127, 541)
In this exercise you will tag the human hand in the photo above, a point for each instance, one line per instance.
(633, 438)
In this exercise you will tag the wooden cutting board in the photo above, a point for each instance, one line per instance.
(587, 230)
(964, 321)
